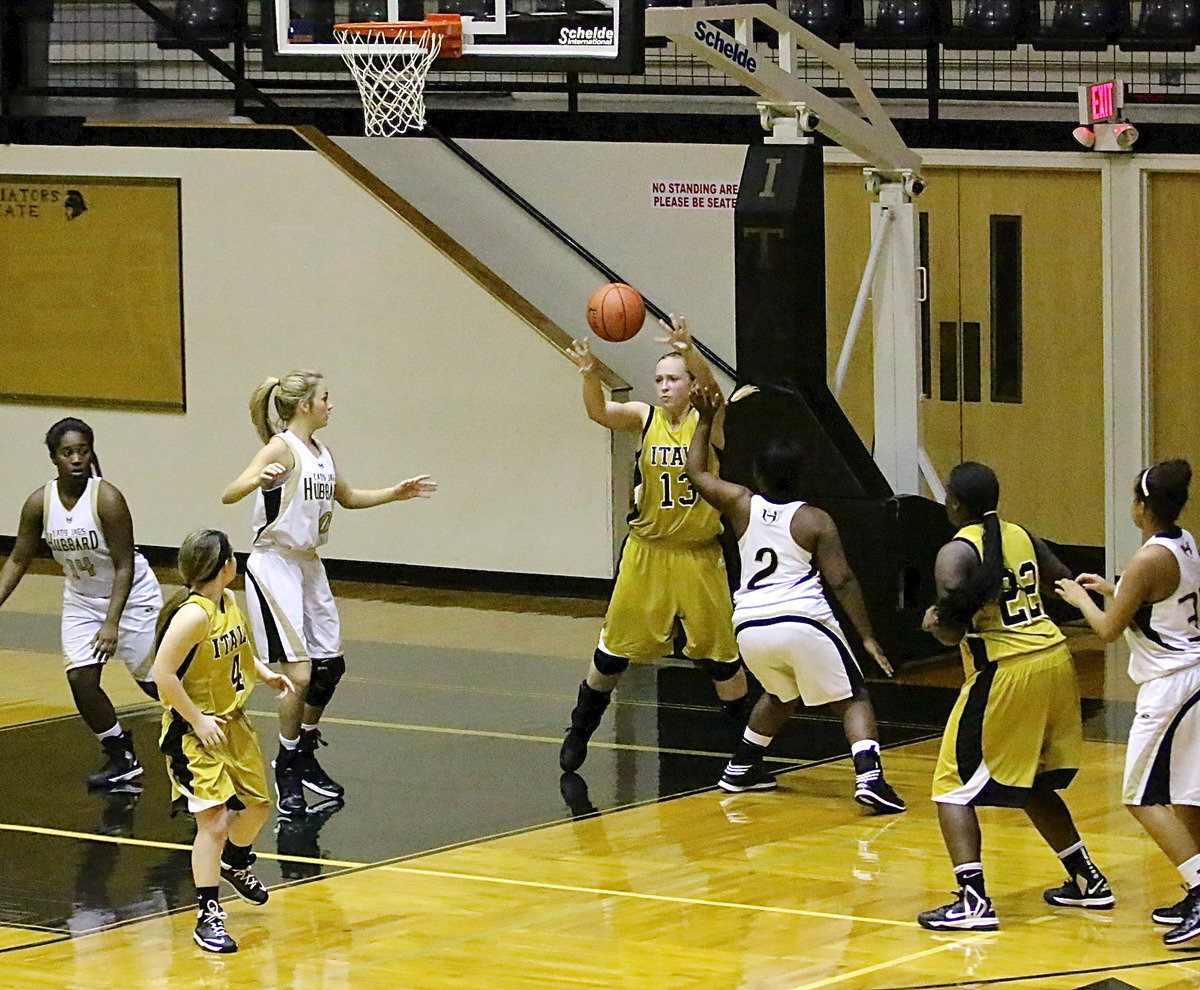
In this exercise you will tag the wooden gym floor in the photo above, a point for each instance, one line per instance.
(463, 858)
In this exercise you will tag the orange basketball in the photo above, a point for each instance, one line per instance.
(616, 312)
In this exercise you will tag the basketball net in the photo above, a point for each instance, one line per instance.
(390, 64)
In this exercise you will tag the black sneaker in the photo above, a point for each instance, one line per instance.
(1174, 914)
(585, 719)
(244, 883)
(871, 790)
(121, 763)
(312, 774)
(1091, 893)
(969, 912)
(1189, 928)
(210, 932)
(290, 791)
(739, 777)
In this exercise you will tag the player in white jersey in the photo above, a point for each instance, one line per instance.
(111, 599)
(292, 612)
(1156, 605)
(787, 633)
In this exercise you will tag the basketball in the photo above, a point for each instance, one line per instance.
(616, 312)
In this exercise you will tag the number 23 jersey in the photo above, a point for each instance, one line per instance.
(665, 505)
(1017, 623)
(218, 673)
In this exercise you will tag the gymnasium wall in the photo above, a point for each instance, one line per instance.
(287, 263)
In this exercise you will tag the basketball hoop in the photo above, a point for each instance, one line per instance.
(390, 61)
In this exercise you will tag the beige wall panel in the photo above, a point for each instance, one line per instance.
(287, 264)
(1048, 450)
(1173, 246)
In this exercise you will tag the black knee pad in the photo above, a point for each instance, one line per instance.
(719, 670)
(324, 680)
(609, 665)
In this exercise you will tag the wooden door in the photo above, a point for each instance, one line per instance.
(1032, 344)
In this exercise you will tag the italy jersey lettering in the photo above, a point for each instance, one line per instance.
(665, 505)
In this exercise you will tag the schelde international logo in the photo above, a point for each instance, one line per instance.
(736, 53)
(27, 202)
(585, 36)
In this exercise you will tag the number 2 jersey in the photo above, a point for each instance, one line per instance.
(1165, 637)
(218, 672)
(665, 505)
(1016, 624)
(779, 577)
(295, 515)
(77, 541)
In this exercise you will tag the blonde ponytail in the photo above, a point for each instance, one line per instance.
(290, 392)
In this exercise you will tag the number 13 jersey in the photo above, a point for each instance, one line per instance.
(665, 505)
(778, 575)
(1017, 623)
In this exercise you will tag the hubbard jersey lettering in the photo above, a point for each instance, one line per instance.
(77, 541)
(1165, 636)
(1016, 624)
(295, 515)
(665, 506)
(219, 671)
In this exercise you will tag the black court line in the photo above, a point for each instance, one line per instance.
(996, 981)
(37, 945)
(136, 708)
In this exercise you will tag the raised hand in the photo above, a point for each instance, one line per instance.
(707, 400)
(676, 334)
(421, 486)
(582, 355)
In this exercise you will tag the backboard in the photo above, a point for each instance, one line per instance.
(605, 36)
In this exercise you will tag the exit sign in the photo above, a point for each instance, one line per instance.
(1101, 103)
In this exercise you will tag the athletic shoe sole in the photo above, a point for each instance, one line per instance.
(122, 779)
(1187, 941)
(871, 800)
(1094, 903)
(291, 812)
(1170, 920)
(765, 785)
(209, 947)
(966, 924)
(324, 792)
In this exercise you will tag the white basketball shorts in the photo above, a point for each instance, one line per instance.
(82, 619)
(293, 614)
(1162, 763)
(798, 656)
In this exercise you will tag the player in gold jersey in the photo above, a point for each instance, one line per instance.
(205, 667)
(671, 570)
(1014, 734)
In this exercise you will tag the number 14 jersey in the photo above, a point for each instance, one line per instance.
(778, 575)
(1015, 624)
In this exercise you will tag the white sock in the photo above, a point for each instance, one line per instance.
(757, 738)
(1063, 854)
(112, 733)
(305, 727)
(863, 745)
(1189, 869)
(288, 743)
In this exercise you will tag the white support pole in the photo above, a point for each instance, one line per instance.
(897, 315)
(860, 303)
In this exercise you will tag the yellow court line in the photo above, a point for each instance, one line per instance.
(521, 737)
(636, 895)
(475, 878)
(887, 964)
(124, 840)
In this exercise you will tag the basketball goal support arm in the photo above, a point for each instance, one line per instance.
(874, 139)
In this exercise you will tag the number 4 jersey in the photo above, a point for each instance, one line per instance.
(778, 575)
(76, 539)
(1017, 623)
(665, 506)
(1165, 637)
(218, 673)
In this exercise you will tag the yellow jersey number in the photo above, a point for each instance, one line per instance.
(1020, 599)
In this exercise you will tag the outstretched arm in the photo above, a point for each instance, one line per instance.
(678, 337)
(613, 415)
(836, 573)
(422, 486)
(1148, 573)
(266, 470)
(29, 531)
(117, 524)
(727, 498)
